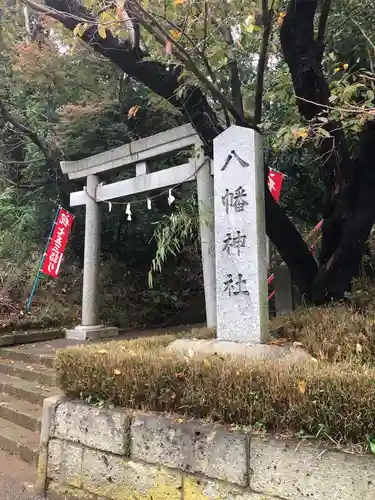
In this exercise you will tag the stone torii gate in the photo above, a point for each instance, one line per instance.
(234, 255)
(138, 153)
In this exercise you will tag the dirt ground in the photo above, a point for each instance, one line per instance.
(17, 479)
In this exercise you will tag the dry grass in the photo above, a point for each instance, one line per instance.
(325, 398)
(338, 333)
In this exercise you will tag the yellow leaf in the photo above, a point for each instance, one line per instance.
(345, 66)
(179, 2)
(250, 20)
(280, 18)
(102, 351)
(299, 133)
(176, 35)
(80, 29)
(107, 17)
(337, 69)
(302, 386)
(117, 372)
(133, 111)
(77, 30)
(102, 32)
(206, 363)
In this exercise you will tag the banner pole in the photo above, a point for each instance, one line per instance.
(36, 279)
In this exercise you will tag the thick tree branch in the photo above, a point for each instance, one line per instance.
(164, 80)
(25, 130)
(292, 248)
(350, 214)
(303, 56)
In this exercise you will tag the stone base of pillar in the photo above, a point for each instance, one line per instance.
(95, 332)
(203, 348)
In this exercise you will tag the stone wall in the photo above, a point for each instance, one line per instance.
(91, 453)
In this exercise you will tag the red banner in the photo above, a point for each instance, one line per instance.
(55, 251)
(275, 183)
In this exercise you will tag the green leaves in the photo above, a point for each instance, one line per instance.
(371, 443)
(173, 232)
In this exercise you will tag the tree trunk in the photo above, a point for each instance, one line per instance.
(350, 211)
(335, 276)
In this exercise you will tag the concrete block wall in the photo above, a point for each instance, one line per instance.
(111, 454)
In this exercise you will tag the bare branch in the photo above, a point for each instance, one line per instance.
(150, 23)
(205, 25)
(199, 53)
(23, 186)
(262, 62)
(369, 41)
(235, 81)
(106, 7)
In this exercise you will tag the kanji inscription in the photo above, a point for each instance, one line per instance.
(235, 285)
(234, 241)
(241, 271)
(235, 200)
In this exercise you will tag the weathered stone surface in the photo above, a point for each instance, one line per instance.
(58, 491)
(49, 408)
(286, 353)
(283, 290)
(105, 430)
(241, 257)
(65, 462)
(91, 332)
(309, 472)
(203, 489)
(112, 477)
(190, 447)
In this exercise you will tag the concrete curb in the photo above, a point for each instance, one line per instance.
(49, 408)
(27, 337)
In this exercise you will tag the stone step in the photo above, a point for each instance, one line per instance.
(20, 412)
(33, 392)
(20, 355)
(20, 337)
(19, 441)
(31, 372)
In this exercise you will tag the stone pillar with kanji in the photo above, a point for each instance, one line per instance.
(240, 238)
